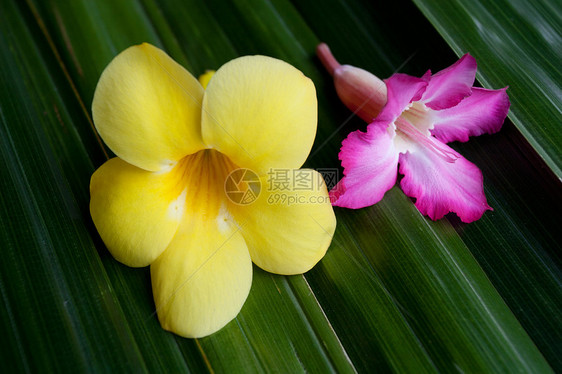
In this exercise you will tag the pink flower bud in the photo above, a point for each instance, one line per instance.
(362, 92)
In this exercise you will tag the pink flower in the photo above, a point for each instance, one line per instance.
(420, 116)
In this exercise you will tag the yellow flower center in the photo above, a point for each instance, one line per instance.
(199, 181)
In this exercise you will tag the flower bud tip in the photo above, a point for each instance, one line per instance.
(325, 55)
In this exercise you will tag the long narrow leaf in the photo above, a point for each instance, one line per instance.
(518, 44)
(395, 291)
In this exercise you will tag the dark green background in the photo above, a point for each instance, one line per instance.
(395, 292)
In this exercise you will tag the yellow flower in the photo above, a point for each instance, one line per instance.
(162, 201)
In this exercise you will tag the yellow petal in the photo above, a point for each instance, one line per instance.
(147, 108)
(206, 77)
(202, 280)
(290, 226)
(136, 212)
(261, 112)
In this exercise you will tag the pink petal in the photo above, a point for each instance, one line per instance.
(370, 161)
(449, 86)
(441, 187)
(402, 89)
(483, 112)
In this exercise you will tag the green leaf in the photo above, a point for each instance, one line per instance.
(517, 44)
(50, 269)
(396, 292)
